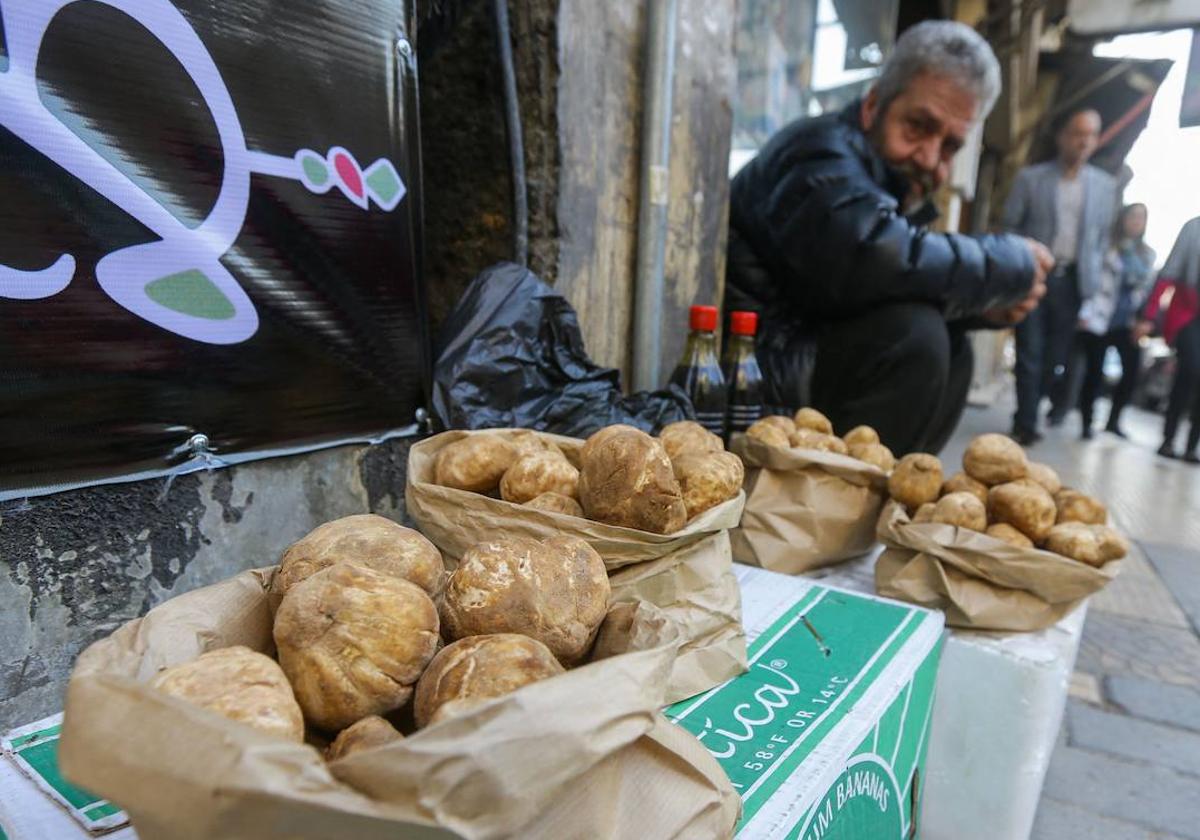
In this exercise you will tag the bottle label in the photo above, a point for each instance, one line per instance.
(741, 417)
(712, 420)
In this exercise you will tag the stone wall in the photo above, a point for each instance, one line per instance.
(76, 565)
(467, 180)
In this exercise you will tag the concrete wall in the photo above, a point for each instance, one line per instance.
(1115, 16)
(600, 118)
(705, 81)
(75, 566)
(601, 47)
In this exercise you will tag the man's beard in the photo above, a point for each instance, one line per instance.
(921, 187)
(921, 184)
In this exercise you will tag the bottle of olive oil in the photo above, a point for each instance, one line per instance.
(742, 375)
(699, 371)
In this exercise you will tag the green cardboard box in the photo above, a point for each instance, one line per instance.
(825, 735)
(34, 750)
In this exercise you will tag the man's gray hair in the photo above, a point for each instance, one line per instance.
(943, 48)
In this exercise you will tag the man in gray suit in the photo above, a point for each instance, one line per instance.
(1067, 205)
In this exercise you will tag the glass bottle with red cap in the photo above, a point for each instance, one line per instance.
(699, 371)
(743, 377)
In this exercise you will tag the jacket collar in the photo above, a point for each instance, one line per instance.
(1085, 171)
(882, 173)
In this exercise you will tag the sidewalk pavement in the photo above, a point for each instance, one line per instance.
(1127, 764)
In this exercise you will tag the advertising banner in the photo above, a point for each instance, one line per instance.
(208, 226)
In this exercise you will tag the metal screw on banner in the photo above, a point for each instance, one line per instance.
(424, 424)
(403, 47)
(197, 449)
(198, 445)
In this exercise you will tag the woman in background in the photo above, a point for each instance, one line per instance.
(1107, 319)
(1180, 276)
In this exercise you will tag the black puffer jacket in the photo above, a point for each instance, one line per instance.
(816, 235)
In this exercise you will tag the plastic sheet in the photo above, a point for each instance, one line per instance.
(511, 355)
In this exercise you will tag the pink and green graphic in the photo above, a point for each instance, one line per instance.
(176, 282)
(379, 182)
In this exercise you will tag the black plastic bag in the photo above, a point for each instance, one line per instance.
(511, 354)
(787, 356)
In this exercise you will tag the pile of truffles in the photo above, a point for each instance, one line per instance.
(524, 469)
(624, 476)
(1006, 496)
(373, 636)
(810, 429)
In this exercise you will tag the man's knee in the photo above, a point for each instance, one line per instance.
(901, 349)
(921, 342)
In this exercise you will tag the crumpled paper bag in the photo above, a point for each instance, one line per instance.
(978, 581)
(455, 519)
(804, 508)
(526, 764)
(688, 574)
(696, 588)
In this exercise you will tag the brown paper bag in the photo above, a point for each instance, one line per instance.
(688, 574)
(804, 509)
(526, 764)
(979, 581)
(624, 796)
(455, 520)
(695, 587)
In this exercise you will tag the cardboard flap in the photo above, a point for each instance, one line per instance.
(664, 786)
(695, 586)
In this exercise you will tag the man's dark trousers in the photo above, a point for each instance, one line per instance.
(899, 368)
(1044, 346)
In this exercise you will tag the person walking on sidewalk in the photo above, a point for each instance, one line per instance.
(1107, 318)
(1068, 205)
(1180, 275)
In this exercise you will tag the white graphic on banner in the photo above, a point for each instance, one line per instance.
(177, 282)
